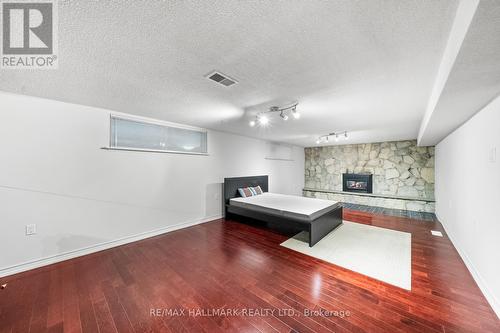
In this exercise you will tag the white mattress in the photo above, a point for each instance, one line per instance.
(286, 205)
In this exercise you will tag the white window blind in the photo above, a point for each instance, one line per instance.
(134, 134)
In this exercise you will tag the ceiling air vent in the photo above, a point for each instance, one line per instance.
(221, 78)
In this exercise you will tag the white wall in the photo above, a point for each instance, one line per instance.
(83, 198)
(468, 196)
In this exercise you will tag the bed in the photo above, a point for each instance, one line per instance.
(316, 216)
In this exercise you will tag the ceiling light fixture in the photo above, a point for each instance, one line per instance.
(325, 138)
(262, 118)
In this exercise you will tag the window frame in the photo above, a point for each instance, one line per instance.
(153, 122)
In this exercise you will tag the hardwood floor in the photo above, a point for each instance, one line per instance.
(229, 265)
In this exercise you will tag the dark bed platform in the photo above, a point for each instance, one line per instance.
(317, 228)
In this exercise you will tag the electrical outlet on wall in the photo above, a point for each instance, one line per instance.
(493, 155)
(30, 229)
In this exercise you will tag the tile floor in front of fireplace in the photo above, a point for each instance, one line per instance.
(392, 212)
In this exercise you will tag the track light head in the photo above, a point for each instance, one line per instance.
(263, 120)
(336, 137)
(284, 116)
(345, 135)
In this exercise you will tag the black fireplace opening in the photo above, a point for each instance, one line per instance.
(357, 182)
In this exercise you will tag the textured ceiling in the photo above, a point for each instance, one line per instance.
(475, 78)
(363, 66)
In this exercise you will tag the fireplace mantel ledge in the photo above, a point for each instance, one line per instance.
(375, 195)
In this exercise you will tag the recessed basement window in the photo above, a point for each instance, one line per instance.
(138, 135)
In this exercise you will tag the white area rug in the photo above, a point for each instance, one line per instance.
(382, 254)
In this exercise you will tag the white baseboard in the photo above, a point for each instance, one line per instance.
(490, 297)
(26, 266)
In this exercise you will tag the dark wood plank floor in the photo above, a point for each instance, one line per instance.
(228, 265)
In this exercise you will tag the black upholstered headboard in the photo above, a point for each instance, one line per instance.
(231, 185)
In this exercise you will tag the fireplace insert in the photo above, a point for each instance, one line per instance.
(357, 182)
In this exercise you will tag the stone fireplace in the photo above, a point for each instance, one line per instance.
(402, 174)
(357, 182)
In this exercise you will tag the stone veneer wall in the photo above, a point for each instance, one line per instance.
(403, 174)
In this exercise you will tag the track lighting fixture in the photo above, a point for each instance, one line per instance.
(284, 116)
(263, 120)
(325, 138)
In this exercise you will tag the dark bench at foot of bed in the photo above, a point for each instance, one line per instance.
(318, 227)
